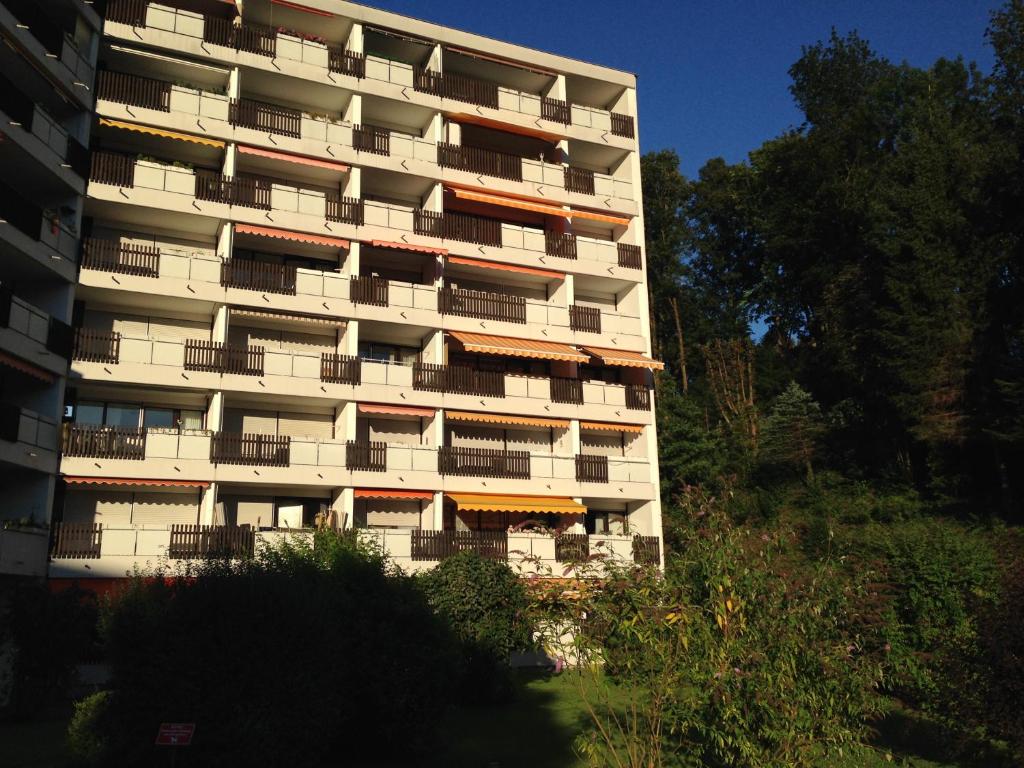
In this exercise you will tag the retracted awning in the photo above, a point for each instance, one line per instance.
(536, 207)
(25, 367)
(623, 358)
(161, 132)
(408, 247)
(463, 261)
(606, 426)
(284, 317)
(487, 502)
(504, 345)
(387, 493)
(498, 418)
(595, 216)
(287, 157)
(284, 234)
(132, 481)
(396, 410)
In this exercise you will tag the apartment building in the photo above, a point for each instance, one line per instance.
(346, 267)
(47, 64)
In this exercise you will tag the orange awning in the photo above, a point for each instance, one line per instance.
(407, 247)
(624, 358)
(505, 267)
(290, 158)
(161, 132)
(609, 427)
(396, 410)
(489, 502)
(595, 216)
(130, 481)
(386, 493)
(503, 345)
(284, 234)
(497, 418)
(25, 367)
(510, 202)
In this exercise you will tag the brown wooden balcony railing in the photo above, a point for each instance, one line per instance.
(638, 397)
(102, 442)
(560, 244)
(216, 357)
(483, 462)
(76, 541)
(246, 191)
(60, 338)
(555, 110)
(261, 116)
(92, 346)
(250, 449)
(572, 547)
(340, 369)
(189, 542)
(457, 87)
(482, 304)
(369, 457)
(120, 258)
(629, 256)
(367, 289)
(345, 210)
(586, 319)
(127, 12)
(647, 550)
(566, 390)
(439, 545)
(457, 380)
(370, 138)
(112, 168)
(591, 468)
(622, 125)
(258, 276)
(579, 180)
(134, 90)
(462, 227)
(500, 165)
(251, 38)
(346, 62)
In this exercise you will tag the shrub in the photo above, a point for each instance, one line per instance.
(87, 728)
(486, 605)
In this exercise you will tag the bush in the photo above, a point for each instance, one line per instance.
(293, 658)
(485, 603)
(86, 730)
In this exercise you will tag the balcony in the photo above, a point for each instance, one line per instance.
(365, 289)
(264, 117)
(258, 276)
(638, 397)
(102, 442)
(41, 135)
(591, 469)
(562, 245)
(586, 319)
(27, 439)
(566, 390)
(465, 228)
(134, 90)
(436, 546)
(199, 542)
(483, 462)
(647, 550)
(483, 161)
(368, 457)
(629, 256)
(32, 334)
(217, 357)
(92, 346)
(120, 258)
(457, 380)
(39, 233)
(482, 304)
(369, 138)
(336, 368)
(572, 548)
(579, 180)
(457, 88)
(251, 450)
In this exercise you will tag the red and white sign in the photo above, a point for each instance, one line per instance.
(175, 734)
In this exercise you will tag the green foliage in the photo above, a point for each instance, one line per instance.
(486, 605)
(87, 729)
(792, 431)
(261, 654)
(689, 451)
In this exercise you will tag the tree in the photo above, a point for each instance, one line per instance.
(792, 430)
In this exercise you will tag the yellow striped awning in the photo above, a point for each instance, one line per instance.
(535, 206)
(607, 426)
(489, 502)
(504, 345)
(624, 358)
(161, 132)
(498, 418)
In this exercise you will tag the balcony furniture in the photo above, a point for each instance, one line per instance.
(629, 256)
(366, 289)
(566, 390)
(500, 165)
(483, 462)
(457, 380)
(560, 244)
(457, 87)
(439, 545)
(591, 469)
(370, 138)
(578, 180)
(345, 62)
(246, 191)
(103, 442)
(255, 450)
(462, 227)
(91, 346)
(482, 304)
(76, 541)
(647, 550)
(112, 168)
(340, 369)
(572, 547)
(120, 258)
(189, 542)
(261, 116)
(134, 90)
(258, 276)
(638, 397)
(369, 457)
(622, 125)
(555, 110)
(587, 319)
(217, 357)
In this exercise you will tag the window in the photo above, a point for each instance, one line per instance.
(388, 353)
(122, 415)
(606, 373)
(513, 365)
(89, 413)
(596, 522)
(128, 415)
(159, 417)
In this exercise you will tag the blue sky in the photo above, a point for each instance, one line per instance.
(712, 74)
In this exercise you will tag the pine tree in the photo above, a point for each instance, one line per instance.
(793, 430)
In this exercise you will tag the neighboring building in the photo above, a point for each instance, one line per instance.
(47, 64)
(347, 265)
